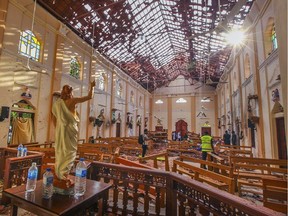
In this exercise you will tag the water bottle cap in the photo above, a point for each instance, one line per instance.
(34, 164)
(82, 159)
(48, 169)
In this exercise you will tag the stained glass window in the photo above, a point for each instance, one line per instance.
(119, 88)
(29, 46)
(132, 97)
(75, 68)
(102, 82)
(274, 39)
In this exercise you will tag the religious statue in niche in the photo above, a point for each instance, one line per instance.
(100, 119)
(129, 121)
(219, 123)
(113, 116)
(139, 120)
(145, 122)
(26, 94)
(119, 117)
(275, 95)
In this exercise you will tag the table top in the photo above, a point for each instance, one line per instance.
(58, 204)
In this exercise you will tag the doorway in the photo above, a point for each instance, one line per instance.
(205, 129)
(281, 138)
(181, 126)
(118, 129)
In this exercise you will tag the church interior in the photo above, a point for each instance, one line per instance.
(178, 69)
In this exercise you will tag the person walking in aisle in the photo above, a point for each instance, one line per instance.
(145, 144)
(207, 145)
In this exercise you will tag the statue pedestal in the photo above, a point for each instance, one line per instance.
(63, 187)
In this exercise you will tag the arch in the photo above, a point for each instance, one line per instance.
(235, 81)
(140, 101)
(29, 45)
(75, 67)
(181, 126)
(132, 100)
(247, 67)
(102, 82)
(270, 37)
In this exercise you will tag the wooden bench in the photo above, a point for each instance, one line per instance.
(104, 148)
(249, 172)
(215, 158)
(214, 167)
(48, 156)
(202, 175)
(155, 159)
(184, 151)
(92, 154)
(275, 194)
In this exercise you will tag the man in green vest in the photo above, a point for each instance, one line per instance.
(207, 145)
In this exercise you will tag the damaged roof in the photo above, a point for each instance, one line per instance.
(155, 41)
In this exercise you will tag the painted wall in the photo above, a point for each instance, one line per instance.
(254, 69)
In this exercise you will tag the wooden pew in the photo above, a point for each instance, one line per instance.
(215, 158)
(214, 167)
(275, 194)
(104, 148)
(48, 157)
(250, 171)
(184, 151)
(155, 158)
(202, 175)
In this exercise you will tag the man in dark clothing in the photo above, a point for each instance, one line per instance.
(226, 138)
(145, 144)
(234, 138)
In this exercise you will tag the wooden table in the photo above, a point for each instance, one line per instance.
(58, 204)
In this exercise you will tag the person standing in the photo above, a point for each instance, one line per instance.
(145, 144)
(226, 138)
(179, 136)
(207, 145)
(65, 119)
(234, 138)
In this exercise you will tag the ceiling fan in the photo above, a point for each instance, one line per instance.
(223, 24)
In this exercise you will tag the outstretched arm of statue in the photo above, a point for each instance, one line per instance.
(76, 100)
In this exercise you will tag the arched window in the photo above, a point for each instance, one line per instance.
(102, 82)
(119, 88)
(270, 37)
(140, 101)
(75, 68)
(247, 71)
(274, 38)
(132, 97)
(29, 45)
(235, 81)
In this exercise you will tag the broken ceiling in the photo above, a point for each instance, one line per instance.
(155, 41)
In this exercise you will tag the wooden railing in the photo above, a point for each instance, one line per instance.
(14, 169)
(183, 196)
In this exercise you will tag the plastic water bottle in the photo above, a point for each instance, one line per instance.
(24, 151)
(47, 190)
(80, 178)
(32, 178)
(19, 150)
